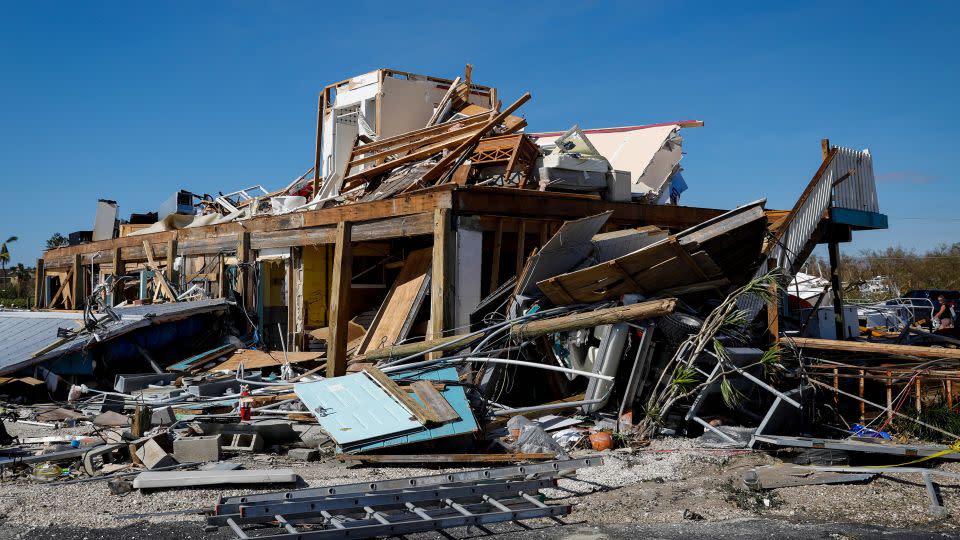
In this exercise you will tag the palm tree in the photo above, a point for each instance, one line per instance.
(5, 255)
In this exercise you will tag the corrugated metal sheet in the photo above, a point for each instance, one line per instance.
(859, 191)
(23, 333)
(353, 409)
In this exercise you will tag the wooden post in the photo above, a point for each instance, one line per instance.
(889, 397)
(544, 233)
(863, 410)
(949, 383)
(221, 277)
(441, 278)
(833, 250)
(171, 257)
(495, 267)
(773, 309)
(76, 286)
(38, 285)
(119, 268)
(243, 256)
(521, 246)
(340, 301)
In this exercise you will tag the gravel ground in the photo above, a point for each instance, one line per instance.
(647, 487)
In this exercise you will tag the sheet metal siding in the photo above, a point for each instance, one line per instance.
(859, 191)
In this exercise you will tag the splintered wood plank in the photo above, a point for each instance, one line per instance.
(423, 414)
(254, 359)
(404, 299)
(434, 400)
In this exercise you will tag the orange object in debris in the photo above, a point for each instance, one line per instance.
(601, 440)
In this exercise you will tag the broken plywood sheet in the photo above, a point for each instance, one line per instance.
(563, 251)
(397, 313)
(646, 271)
(687, 259)
(254, 359)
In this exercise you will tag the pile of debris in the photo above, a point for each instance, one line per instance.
(604, 334)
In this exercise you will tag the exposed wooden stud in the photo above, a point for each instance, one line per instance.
(221, 277)
(76, 287)
(243, 257)
(171, 257)
(441, 283)
(544, 233)
(825, 148)
(340, 301)
(38, 285)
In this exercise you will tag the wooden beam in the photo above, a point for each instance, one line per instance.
(633, 312)
(884, 349)
(38, 285)
(441, 279)
(76, 287)
(340, 301)
(532, 204)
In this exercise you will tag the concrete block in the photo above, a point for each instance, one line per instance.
(243, 442)
(197, 449)
(152, 455)
(303, 454)
(162, 416)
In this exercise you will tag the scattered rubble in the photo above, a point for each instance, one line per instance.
(445, 288)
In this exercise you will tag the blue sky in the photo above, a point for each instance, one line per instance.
(133, 100)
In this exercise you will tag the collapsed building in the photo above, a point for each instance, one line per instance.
(442, 268)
